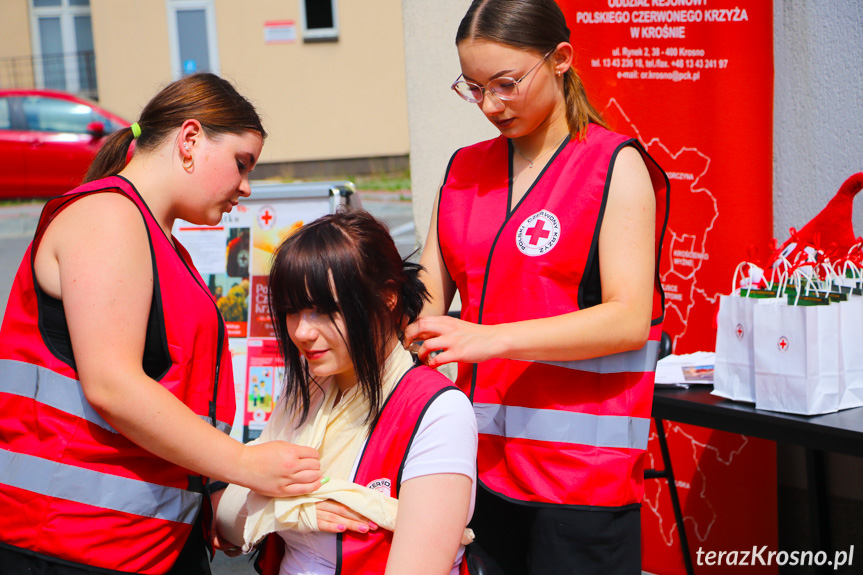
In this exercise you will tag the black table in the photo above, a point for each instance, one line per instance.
(840, 432)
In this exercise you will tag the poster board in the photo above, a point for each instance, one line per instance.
(233, 259)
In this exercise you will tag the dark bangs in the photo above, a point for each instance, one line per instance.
(327, 255)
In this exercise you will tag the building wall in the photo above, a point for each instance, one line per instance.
(817, 109)
(130, 39)
(440, 122)
(14, 35)
(320, 101)
(14, 28)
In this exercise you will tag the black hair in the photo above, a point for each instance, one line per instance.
(344, 263)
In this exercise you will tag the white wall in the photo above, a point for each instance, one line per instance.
(438, 120)
(817, 108)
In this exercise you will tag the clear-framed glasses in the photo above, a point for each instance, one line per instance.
(504, 88)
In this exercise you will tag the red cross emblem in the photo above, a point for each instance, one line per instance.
(782, 344)
(266, 217)
(739, 331)
(537, 232)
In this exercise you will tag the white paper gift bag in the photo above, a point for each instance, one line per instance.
(851, 353)
(734, 366)
(796, 358)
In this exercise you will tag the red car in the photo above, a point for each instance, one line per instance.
(47, 140)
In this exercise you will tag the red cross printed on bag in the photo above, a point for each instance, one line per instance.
(738, 331)
(782, 344)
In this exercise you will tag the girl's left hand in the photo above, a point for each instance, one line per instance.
(334, 517)
(446, 339)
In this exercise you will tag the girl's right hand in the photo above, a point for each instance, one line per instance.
(280, 469)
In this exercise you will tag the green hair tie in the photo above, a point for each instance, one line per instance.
(136, 130)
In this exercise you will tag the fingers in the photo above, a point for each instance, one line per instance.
(304, 453)
(430, 349)
(226, 546)
(336, 518)
(293, 489)
(425, 328)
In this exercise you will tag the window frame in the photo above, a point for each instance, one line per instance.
(320, 34)
(66, 12)
(172, 7)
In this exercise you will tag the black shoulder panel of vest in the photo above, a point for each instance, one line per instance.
(55, 331)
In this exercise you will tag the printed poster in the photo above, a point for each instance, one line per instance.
(233, 259)
(692, 80)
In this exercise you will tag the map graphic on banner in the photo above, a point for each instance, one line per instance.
(685, 249)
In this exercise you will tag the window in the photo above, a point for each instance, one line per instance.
(5, 116)
(320, 20)
(192, 30)
(51, 115)
(63, 43)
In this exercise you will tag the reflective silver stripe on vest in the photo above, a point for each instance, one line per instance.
(64, 481)
(617, 431)
(48, 387)
(220, 425)
(638, 361)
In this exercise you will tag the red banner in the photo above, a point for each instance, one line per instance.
(693, 81)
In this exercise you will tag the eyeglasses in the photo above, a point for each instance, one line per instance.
(504, 88)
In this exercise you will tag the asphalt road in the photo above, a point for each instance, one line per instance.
(18, 222)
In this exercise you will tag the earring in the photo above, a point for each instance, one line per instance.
(558, 73)
(191, 159)
(186, 146)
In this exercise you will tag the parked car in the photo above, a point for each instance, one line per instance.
(48, 139)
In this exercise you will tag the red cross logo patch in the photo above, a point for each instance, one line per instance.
(538, 234)
(782, 344)
(266, 217)
(738, 331)
(383, 485)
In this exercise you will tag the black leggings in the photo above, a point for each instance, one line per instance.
(516, 539)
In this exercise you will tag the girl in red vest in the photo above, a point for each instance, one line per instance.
(551, 234)
(340, 296)
(116, 395)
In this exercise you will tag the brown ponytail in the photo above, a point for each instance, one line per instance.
(579, 111)
(536, 25)
(211, 100)
(111, 158)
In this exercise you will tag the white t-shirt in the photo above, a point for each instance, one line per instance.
(439, 446)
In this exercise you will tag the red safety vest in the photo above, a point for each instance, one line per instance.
(568, 433)
(380, 467)
(71, 487)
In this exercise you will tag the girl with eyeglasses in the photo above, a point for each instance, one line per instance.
(551, 234)
(386, 428)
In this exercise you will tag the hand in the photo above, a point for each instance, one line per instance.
(454, 339)
(280, 469)
(334, 517)
(226, 546)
